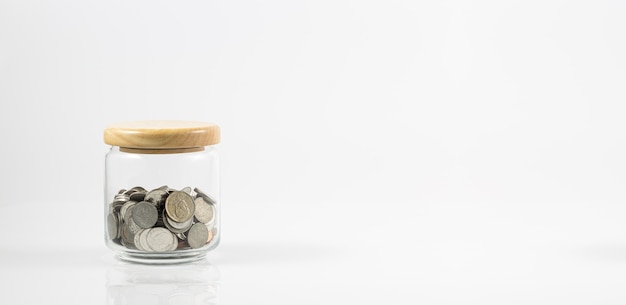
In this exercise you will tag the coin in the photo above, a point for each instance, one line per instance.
(176, 227)
(204, 195)
(130, 192)
(205, 212)
(160, 239)
(187, 216)
(136, 240)
(179, 206)
(138, 189)
(138, 196)
(156, 196)
(210, 237)
(145, 214)
(121, 197)
(197, 236)
(132, 226)
(181, 225)
(141, 241)
(116, 206)
(112, 226)
(128, 237)
(125, 207)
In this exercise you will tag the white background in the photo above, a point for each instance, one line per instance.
(438, 152)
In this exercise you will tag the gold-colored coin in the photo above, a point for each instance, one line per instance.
(179, 206)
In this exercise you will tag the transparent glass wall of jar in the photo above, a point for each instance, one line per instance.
(162, 207)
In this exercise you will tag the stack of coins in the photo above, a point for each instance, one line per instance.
(161, 220)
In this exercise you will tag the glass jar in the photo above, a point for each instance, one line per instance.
(162, 190)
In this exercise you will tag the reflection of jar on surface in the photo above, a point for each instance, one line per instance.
(183, 284)
(162, 190)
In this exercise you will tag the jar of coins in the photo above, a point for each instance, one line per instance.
(162, 190)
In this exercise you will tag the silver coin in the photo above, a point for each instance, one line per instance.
(119, 202)
(136, 240)
(140, 240)
(204, 195)
(204, 212)
(186, 190)
(138, 189)
(181, 236)
(156, 196)
(210, 225)
(145, 214)
(178, 227)
(137, 196)
(128, 237)
(112, 226)
(179, 206)
(116, 206)
(130, 223)
(181, 225)
(160, 239)
(125, 207)
(174, 244)
(127, 219)
(135, 189)
(121, 197)
(127, 210)
(197, 236)
(172, 229)
(168, 224)
(143, 240)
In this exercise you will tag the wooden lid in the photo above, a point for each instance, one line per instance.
(162, 134)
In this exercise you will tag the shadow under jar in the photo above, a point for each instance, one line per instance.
(162, 186)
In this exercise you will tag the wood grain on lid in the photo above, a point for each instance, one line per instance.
(162, 134)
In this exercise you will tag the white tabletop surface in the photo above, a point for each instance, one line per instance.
(374, 152)
(386, 253)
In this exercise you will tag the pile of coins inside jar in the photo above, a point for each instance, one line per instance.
(161, 220)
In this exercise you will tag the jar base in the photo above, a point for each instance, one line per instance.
(161, 258)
